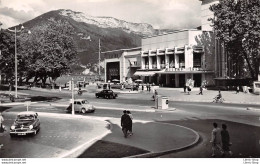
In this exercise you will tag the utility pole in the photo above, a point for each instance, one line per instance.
(99, 57)
(72, 97)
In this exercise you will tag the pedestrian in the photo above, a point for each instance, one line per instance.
(131, 125)
(184, 88)
(189, 90)
(155, 94)
(1, 123)
(225, 140)
(125, 123)
(149, 87)
(237, 90)
(201, 89)
(216, 140)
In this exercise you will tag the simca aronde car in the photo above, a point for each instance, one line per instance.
(81, 106)
(25, 123)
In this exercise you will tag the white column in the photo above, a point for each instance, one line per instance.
(105, 66)
(176, 58)
(158, 62)
(167, 62)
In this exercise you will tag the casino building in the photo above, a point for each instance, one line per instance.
(171, 59)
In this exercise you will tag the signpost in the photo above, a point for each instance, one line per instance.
(27, 103)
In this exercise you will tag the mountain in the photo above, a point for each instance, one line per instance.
(113, 33)
(109, 22)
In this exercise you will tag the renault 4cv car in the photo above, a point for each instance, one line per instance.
(81, 106)
(25, 123)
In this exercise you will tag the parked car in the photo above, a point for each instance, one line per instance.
(81, 106)
(106, 93)
(25, 123)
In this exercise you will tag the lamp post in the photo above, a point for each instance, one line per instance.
(15, 57)
(99, 57)
(72, 97)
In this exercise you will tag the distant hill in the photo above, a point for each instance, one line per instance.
(113, 33)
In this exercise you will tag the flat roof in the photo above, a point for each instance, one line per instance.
(129, 49)
(167, 33)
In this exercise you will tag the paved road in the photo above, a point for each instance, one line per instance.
(58, 137)
(185, 112)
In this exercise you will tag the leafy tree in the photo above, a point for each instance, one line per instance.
(49, 51)
(7, 47)
(237, 25)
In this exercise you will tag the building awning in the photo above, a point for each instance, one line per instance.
(144, 73)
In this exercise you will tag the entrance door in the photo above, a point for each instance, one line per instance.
(182, 80)
(172, 80)
(197, 80)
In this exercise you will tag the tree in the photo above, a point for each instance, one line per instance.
(237, 25)
(7, 55)
(49, 51)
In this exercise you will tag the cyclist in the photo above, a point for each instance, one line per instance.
(219, 96)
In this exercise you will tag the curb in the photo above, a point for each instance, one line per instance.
(152, 154)
(137, 110)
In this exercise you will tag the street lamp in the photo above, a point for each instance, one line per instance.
(72, 97)
(15, 58)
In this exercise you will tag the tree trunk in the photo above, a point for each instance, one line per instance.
(252, 72)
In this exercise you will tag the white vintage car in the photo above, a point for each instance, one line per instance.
(81, 106)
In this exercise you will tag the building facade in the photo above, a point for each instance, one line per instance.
(121, 64)
(173, 58)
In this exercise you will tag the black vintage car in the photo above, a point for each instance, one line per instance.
(106, 93)
(25, 123)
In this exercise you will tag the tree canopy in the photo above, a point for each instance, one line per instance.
(7, 55)
(48, 51)
(237, 25)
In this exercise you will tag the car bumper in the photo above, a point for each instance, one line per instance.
(22, 133)
(91, 109)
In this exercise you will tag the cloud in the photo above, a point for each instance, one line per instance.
(20, 16)
(159, 13)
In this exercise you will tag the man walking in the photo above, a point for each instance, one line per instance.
(237, 90)
(225, 140)
(131, 124)
(1, 123)
(125, 123)
(201, 89)
(216, 140)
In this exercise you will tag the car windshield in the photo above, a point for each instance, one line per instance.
(85, 102)
(25, 117)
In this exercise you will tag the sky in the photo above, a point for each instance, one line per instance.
(171, 14)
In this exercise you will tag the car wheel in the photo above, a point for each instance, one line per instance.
(83, 110)
(12, 135)
(106, 97)
(97, 96)
(114, 97)
(37, 131)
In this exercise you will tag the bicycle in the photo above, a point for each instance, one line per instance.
(218, 100)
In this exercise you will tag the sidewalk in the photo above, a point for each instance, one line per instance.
(177, 94)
